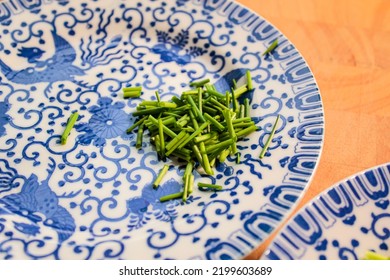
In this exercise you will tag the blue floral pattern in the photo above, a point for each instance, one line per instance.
(93, 197)
(108, 121)
(357, 207)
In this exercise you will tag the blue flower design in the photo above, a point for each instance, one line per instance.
(141, 208)
(108, 121)
(4, 118)
(174, 49)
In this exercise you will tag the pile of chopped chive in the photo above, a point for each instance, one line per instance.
(201, 127)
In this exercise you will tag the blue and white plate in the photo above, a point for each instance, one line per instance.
(92, 198)
(343, 223)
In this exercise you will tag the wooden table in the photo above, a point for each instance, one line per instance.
(347, 45)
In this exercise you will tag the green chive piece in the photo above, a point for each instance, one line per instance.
(249, 80)
(271, 47)
(193, 119)
(200, 97)
(193, 135)
(238, 158)
(220, 145)
(234, 100)
(139, 122)
(209, 110)
(188, 169)
(167, 131)
(191, 184)
(198, 154)
(69, 126)
(271, 135)
(375, 256)
(246, 131)
(157, 96)
(209, 186)
(205, 137)
(223, 155)
(161, 134)
(132, 89)
(175, 140)
(214, 122)
(247, 107)
(210, 90)
(232, 133)
(174, 147)
(140, 134)
(200, 83)
(149, 111)
(195, 109)
(185, 189)
(206, 163)
(131, 94)
(160, 176)
(227, 99)
(234, 83)
(218, 104)
(239, 91)
(171, 196)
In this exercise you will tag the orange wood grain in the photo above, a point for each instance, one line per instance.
(347, 46)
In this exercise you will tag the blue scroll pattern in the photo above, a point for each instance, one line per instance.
(358, 207)
(92, 198)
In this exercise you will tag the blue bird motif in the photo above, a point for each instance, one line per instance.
(38, 203)
(57, 68)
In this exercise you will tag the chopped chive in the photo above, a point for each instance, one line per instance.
(232, 133)
(175, 140)
(209, 110)
(223, 155)
(161, 135)
(132, 89)
(197, 154)
(227, 99)
(271, 47)
(205, 137)
(171, 196)
(174, 147)
(234, 83)
(246, 131)
(149, 111)
(200, 83)
(375, 256)
(249, 80)
(140, 134)
(157, 96)
(206, 163)
(209, 186)
(218, 104)
(219, 126)
(191, 184)
(195, 109)
(69, 126)
(131, 94)
(194, 134)
(131, 128)
(213, 92)
(234, 101)
(271, 135)
(167, 131)
(247, 108)
(160, 176)
(200, 100)
(238, 158)
(239, 91)
(220, 145)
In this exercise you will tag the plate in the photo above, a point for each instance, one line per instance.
(344, 222)
(92, 198)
